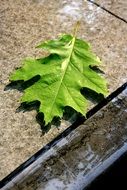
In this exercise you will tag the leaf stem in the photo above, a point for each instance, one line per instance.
(76, 27)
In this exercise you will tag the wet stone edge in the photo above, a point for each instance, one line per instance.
(50, 145)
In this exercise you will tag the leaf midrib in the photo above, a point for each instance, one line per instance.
(62, 78)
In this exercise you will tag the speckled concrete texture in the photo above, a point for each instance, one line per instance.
(24, 23)
(86, 151)
(118, 7)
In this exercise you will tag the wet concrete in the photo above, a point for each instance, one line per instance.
(77, 159)
(24, 24)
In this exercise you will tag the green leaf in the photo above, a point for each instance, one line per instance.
(62, 75)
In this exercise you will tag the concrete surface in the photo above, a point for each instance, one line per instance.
(77, 159)
(118, 7)
(24, 23)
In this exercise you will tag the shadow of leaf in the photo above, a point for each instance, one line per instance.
(21, 85)
(25, 106)
(97, 69)
(92, 95)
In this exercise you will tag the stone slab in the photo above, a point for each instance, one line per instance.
(22, 25)
(118, 7)
(81, 156)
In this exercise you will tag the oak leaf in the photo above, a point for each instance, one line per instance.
(63, 74)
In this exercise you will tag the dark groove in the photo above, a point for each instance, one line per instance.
(113, 14)
(111, 178)
(78, 122)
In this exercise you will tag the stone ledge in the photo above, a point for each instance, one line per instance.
(78, 158)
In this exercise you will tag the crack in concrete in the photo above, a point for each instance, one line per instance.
(103, 8)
